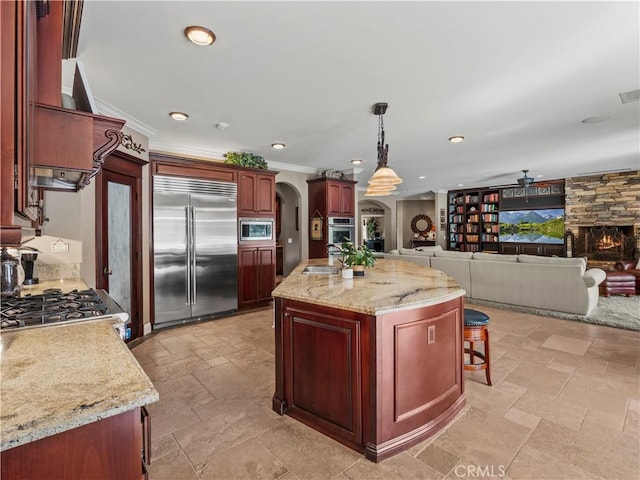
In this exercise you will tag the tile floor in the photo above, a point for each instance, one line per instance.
(565, 405)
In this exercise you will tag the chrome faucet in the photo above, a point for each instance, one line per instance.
(334, 250)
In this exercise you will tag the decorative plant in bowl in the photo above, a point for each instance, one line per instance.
(245, 159)
(357, 258)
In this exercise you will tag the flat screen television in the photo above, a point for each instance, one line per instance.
(532, 226)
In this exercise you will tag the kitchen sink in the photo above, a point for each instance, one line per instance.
(320, 270)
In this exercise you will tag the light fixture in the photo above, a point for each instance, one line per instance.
(384, 176)
(180, 116)
(379, 191)
(422, 177)
(278, 146)
(200, 35)
(456, 139)
(222, 125)
(356, 161)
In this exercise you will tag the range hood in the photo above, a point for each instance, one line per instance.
(69, 146)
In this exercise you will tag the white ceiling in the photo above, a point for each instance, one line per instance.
(514, 78)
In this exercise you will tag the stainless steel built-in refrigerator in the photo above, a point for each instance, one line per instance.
(195, 245)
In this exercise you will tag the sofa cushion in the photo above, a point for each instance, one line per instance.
(453, 254)
(415, 251)
(579, 261)
(495, 257)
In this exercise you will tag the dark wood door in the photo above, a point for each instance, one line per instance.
(265, 195)
(118, 235)
(247, 281)
(347, 200)
(246, 194)
(267, 272)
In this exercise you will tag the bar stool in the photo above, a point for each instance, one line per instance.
(476, 330)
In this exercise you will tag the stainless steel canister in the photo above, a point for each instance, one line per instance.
(9, 284)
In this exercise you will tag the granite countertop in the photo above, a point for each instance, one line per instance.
(390, 286)
(60, 377)
(65, 284)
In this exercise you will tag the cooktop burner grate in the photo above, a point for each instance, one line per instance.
(52, 306)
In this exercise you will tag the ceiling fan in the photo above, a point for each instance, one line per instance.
(525, 180)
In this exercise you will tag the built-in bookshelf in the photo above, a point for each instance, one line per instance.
(464, 221)
(474, 215)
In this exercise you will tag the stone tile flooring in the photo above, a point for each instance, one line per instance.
(565, 405)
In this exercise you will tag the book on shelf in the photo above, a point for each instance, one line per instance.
(473, 218)
(490, 217)
(489, 237)
(491, 197)
(473, 238)
(488, 207)
(471, 228)
(471, 199)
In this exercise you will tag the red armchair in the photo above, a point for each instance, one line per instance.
(629, 266)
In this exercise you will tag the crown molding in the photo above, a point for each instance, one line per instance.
(132, 122)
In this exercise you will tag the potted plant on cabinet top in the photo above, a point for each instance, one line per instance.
(357, 258)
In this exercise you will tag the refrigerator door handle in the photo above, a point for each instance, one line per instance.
(188, 237)
(194, 257)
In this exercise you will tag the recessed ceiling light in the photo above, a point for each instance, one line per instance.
(179, 116)
(278, 146)
(200, 35)
(461, 184)
(596, 119)
(456, 139)
(422, 177)
(539, 175)
(222, 125)
(356, 161)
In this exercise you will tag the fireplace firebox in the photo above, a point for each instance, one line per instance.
(609, 243)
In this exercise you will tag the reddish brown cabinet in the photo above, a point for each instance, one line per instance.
(256, 194)
(256, 274)
(378, 384)
(329, 198)
(340, 199)
(114, 447)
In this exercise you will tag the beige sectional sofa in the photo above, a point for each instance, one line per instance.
(550, 283)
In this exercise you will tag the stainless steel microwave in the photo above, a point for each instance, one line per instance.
(253, 229)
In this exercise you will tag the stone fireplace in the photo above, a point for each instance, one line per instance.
(602, 215)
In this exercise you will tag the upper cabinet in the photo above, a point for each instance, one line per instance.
(332, 197)
(340, 198)
(256, 194)
(44, 146)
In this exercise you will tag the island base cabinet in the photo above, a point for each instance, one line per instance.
(107, 449)
(378, 384)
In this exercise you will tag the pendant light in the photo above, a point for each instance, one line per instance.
(384, 179)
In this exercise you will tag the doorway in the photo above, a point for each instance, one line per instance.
(289, 236)
(118, 235)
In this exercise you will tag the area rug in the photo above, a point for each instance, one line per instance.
(616, 311)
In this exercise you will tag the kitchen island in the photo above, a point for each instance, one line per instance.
(73, 400)
(375, 362)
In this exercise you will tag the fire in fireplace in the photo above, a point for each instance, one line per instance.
(606, 242)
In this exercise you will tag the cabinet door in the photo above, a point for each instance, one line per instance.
(334, 199)
(510, 248)
(266, 277)
(247, 184)
(265, 195)
(530, 249)
(103, 450)
(347, 200)
(247, 277)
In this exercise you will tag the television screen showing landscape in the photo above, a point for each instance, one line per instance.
(532, 226)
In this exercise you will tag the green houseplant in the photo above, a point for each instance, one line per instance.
(356, 258)
(245, 160)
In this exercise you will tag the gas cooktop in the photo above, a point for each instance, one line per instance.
(53, 306)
